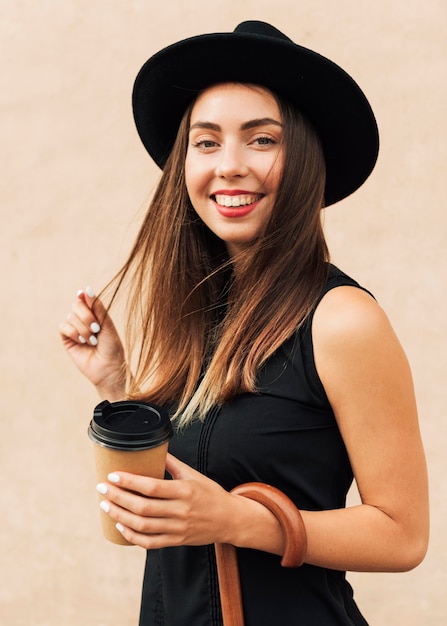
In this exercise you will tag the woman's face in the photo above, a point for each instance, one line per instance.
(234, 160)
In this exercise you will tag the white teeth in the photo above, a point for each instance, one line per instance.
(235, 201)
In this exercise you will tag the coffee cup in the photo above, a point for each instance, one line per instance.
(131, 437)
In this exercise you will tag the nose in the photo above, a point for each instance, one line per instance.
(231, 163)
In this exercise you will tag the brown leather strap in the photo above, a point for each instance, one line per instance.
(295, 537)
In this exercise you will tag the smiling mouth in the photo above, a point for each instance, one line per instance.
(236, 201)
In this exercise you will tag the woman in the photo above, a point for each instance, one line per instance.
(275, 365)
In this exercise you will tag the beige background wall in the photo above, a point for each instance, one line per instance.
(74, 181)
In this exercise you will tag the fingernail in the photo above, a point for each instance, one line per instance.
(80, 292)
(119, 527)
(93, 340)
(95, 327)
(105, 506)
(81, 339)
(89, 291)
(101, 488)
(114, 478)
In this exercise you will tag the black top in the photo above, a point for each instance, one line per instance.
(286, 436)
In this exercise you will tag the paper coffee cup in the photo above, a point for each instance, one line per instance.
(131, 437)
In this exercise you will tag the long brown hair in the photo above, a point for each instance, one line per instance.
(200, 324)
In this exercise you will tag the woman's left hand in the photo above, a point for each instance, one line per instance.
(189, 510)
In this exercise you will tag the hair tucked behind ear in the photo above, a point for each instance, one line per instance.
(200, 329)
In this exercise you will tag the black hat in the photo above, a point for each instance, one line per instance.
(260, 54)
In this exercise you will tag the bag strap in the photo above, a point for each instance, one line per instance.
(295, 537)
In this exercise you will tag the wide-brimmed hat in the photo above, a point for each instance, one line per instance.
(260, 54)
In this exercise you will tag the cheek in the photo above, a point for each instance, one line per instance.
(193, 177)
(273, 169)
(187, 173)
(277, 172)
(195, 186)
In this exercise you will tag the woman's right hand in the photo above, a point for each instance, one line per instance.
(92, 342)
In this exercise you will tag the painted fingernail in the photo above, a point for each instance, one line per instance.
(119, 527)
(101, 488)
(114, 478)
(93, 340)
(105, 506)
(81, 339)
(80, 292)
(95, 327)
(89, 291)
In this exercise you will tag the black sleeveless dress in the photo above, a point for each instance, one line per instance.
(286, 436)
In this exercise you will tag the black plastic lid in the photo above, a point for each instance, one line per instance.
(129, 425)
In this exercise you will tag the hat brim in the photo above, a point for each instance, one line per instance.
(324, 92)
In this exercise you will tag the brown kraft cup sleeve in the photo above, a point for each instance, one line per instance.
(150, 462)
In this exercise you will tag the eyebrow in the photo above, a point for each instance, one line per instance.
(263, 121)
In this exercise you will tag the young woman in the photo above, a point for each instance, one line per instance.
(275, 365)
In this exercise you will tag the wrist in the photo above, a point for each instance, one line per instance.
(256, 527)
(113, 388)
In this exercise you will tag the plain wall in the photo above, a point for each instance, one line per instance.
(74, 184)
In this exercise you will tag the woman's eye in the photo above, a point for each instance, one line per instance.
(265, 140)
(203, 144)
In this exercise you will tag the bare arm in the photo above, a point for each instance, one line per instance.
(368, 382)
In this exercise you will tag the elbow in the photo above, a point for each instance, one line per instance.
(408, 540)
(412, 552)
(417, 546)
(416, 555)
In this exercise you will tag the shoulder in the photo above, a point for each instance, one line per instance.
(355, 346)
(352, 336)
(348, 311)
